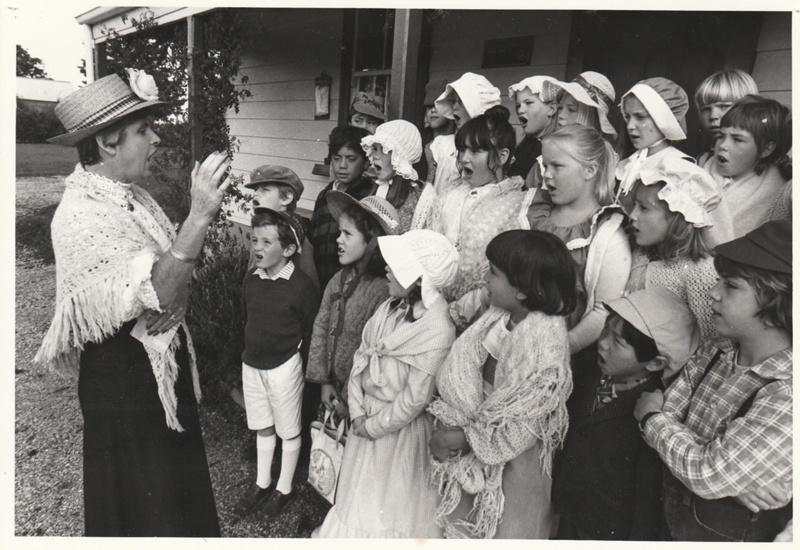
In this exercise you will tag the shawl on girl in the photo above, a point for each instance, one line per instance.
(532, 383)
(106, 237)
(421, 344)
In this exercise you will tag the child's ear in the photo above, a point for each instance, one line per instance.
(287, 200)
(504, 154)
(106, 147)
(288, 251)
(590, 171)
(657, 363)
(768, 149)
(521, 296)
(552, 109)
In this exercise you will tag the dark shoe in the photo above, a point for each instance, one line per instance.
(276, 503)
(253, 499)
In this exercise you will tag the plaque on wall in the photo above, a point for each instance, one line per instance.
(507, 52)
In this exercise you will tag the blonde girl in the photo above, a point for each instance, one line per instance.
(668, 224)
(576, 203)
(537, 117)
(351, 296)
(383, 485)
(485, 202)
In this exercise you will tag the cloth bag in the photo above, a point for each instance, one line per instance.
(327, 449)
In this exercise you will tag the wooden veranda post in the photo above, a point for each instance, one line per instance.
(405, 58)
(195, 46)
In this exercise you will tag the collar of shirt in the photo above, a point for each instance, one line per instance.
(776, 367)
(284, 273)
(383, 188)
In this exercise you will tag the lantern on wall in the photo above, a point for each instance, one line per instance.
(322, 97)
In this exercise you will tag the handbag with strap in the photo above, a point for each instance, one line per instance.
(327, 449)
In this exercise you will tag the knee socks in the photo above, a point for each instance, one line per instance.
(289, 456)
(265, 449)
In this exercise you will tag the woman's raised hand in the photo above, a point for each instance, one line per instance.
(209, 184)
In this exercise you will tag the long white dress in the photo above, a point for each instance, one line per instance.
(383, 485)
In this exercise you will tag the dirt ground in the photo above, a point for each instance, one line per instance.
(48, 482)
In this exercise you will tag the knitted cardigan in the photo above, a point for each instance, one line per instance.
(106, 237)
(531, 386)
(330, 357)
(497, 211)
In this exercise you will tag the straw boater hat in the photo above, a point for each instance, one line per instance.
(103, 102)
(380, 209)
(592, 89)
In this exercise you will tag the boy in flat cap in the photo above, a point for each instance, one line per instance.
(607, 481)
(279, 188)
(280, 305)
(724, 427)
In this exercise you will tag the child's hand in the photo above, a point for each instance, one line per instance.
(649, 402)
(341, 409)
(359, 427)
(327, 394)
(772, 496)
(448, 443)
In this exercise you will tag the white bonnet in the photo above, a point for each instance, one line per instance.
(402, 139)
(689, 189)
(532, 83)
(476, 93)
(421, 253)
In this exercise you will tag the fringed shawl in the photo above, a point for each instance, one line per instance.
(422, 344)
(106, 237)
(532, 383)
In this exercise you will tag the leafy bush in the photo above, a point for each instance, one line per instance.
(216, 313)
(36, 125)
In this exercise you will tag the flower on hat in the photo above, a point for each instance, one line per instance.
(142, 84)
(688, 189)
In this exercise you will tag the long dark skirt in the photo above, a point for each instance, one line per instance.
(141, 478)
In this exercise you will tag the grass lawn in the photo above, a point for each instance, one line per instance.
(43, 159)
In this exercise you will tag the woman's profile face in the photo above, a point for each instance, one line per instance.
(135, 150)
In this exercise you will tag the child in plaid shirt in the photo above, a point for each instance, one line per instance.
(724, 427)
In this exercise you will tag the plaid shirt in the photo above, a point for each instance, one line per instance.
(324, 230)
(717, 456)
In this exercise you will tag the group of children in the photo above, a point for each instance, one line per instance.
(535, 341)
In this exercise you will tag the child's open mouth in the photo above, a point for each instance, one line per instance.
(467, 171)
(259, 257)
(721, 159)
(523, 121)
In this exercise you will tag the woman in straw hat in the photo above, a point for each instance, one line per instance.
(122, 290)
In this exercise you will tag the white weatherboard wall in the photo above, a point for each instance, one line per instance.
(773, 67)
(291, 47)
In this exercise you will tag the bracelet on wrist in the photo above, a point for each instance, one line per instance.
(645, 418)
(181, 257)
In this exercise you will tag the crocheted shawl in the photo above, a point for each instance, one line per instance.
(421, 344)
(106, 237)
(532, 383)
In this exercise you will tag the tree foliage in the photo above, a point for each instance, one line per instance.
(28, 65)
(215, 315)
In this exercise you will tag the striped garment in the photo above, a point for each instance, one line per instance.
(711, 454)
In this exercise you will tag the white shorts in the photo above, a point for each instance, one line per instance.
(274, 397)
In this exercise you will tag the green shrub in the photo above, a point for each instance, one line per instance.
(216, 313)
(36, 125)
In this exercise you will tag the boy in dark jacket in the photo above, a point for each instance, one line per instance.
(607, 482)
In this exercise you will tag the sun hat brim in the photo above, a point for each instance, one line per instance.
(582, 96)
(70, 139)
(338, 202)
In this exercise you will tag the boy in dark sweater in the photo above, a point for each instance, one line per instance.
(607, 480)
(280, 305)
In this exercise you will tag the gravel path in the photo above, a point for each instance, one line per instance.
(48, 482)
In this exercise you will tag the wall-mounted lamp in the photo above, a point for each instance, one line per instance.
(322, 97)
